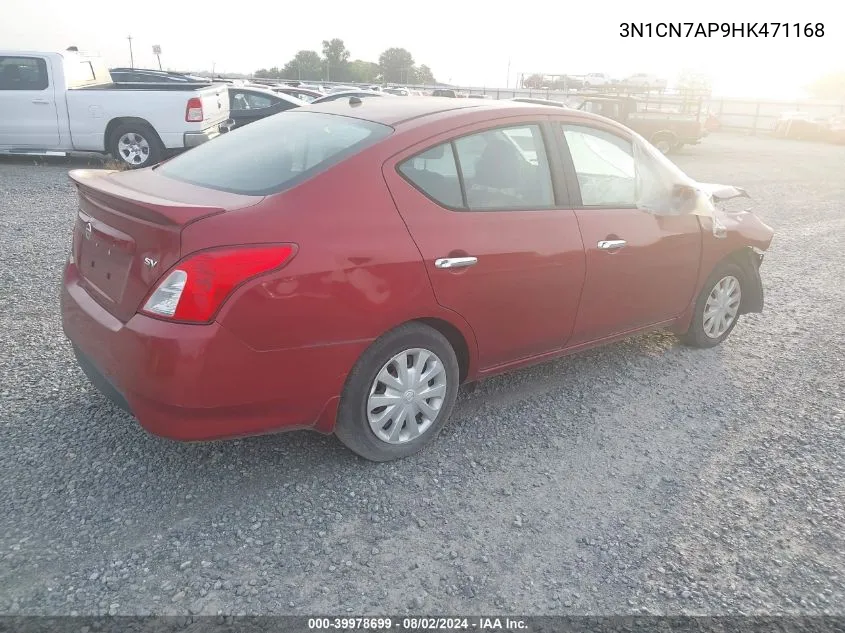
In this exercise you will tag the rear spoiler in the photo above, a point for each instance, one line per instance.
(130, 193)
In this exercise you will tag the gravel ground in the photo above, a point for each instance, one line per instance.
(643, 477)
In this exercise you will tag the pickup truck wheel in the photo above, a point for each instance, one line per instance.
(135, 145)
(666, 142)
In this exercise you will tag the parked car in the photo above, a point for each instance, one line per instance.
(668, 131)
(336, 89)
(247, 105)
(347, 272)
(444, 92)
(595, 80)
(304, 94)
(548, 102)
(398, 92)
(645, 81)
(145, 75)
(361, 94)
(64, 102)
(836, 127)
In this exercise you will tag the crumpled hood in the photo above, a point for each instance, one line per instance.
(722, 192)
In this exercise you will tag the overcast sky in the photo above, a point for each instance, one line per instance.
(467, 43)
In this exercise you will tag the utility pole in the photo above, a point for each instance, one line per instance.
(131, 56)
(508, 78)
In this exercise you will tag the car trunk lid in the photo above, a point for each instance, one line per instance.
(126, 237)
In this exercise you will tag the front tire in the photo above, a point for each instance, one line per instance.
(135, 145)
(717, 307)
(399, 395)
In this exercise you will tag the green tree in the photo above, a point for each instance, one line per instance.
(336, 57)
(304, 65)
(830, 86)
(362, 72)
(397, 65)
(533, 81)
(423, 75)
(272, 73)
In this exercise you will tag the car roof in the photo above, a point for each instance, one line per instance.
(394, 112)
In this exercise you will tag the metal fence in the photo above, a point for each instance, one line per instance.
(742, 115)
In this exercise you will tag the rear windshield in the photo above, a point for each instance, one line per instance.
(274, 153)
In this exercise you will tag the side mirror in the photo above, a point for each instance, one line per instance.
(684, 198)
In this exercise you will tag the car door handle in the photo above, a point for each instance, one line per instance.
(611, 245)
(41, 101)
(455, 262)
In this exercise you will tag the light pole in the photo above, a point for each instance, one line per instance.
(131, 56)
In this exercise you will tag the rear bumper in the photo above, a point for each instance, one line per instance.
(192, 139)
(201, 382)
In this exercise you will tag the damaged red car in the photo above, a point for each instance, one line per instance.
(345, 268)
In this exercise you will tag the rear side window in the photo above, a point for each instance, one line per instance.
(275, 153)
(506, 168)
(23, 73)
(435, 173)
(499, 169)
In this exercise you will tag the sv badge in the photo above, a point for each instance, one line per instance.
(150, 263)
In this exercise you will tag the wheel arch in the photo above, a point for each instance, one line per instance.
(112, 125)
(669, 135)
(748, 261)
(456, 339)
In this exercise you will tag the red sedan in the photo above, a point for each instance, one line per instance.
(346, 268)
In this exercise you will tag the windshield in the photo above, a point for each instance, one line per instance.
(274, 153)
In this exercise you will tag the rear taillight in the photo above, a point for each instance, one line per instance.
(196, 287)
(193, 113)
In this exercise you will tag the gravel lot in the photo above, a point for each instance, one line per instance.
(644, 477)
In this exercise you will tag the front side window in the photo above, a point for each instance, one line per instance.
(605, 166)
(23, 73)
(274, 153)
(505, 168)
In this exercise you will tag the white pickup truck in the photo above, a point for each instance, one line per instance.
(56, 103)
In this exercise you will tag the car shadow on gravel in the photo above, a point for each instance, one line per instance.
(286, 454)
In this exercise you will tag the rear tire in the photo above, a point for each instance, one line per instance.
(666, 142)
(135, 145)
(414, 410)
(718, 290)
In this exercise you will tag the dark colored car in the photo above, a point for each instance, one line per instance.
(360, 94)
(444, 92)
(345, 267)
(303, 94)
(247, 105)
(144, 75)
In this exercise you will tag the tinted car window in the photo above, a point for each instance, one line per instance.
(241, 100)
(505, 168)
(274, 153)
(23, 73)
(604, 164)
(435, 173)
(256, 101)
